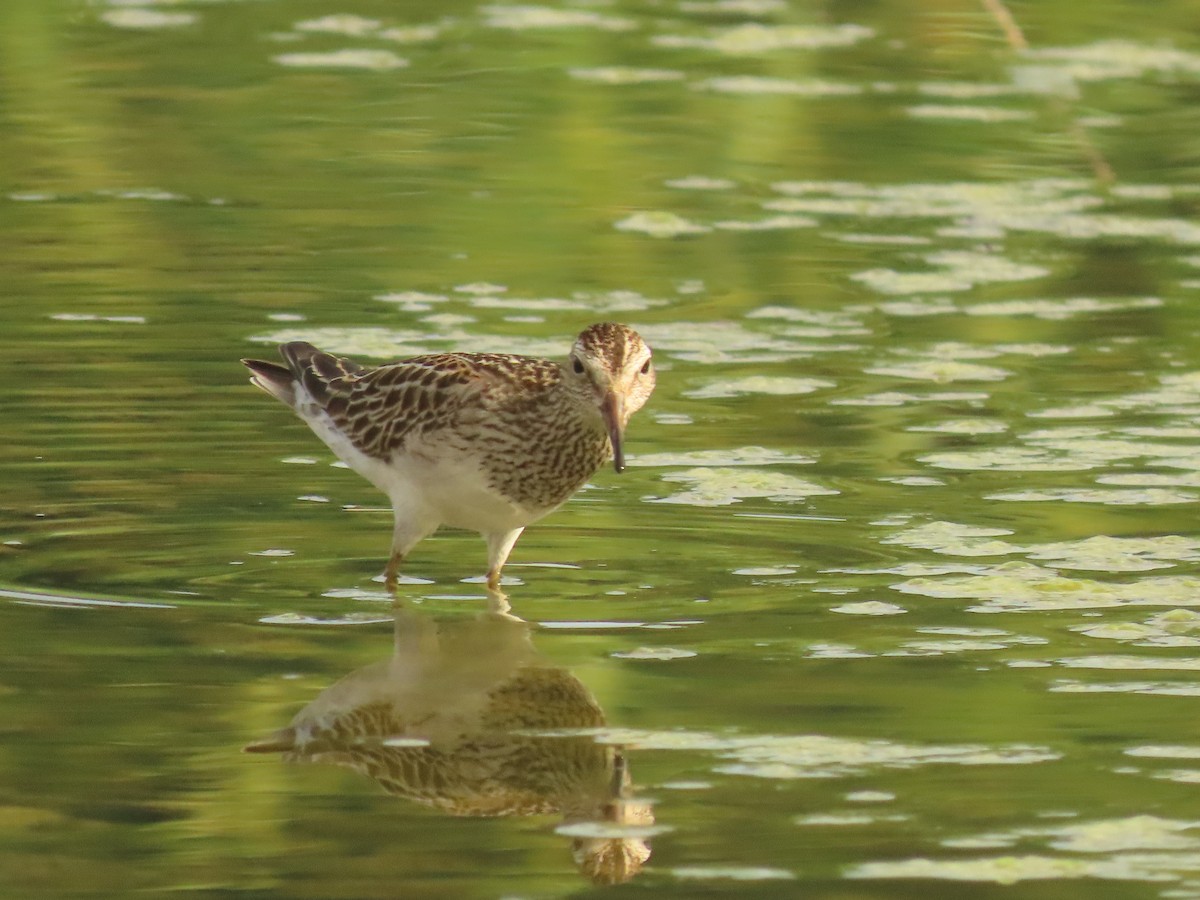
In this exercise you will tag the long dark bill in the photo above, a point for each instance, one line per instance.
(612, 407)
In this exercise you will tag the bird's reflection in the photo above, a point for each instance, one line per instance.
(457, 719)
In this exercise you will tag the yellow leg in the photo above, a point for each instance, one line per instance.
(500, 544)
(392, 573)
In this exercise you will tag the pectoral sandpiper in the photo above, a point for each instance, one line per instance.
(489, 442)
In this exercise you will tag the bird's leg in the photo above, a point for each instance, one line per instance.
(392, 573)
(410, 530)
(500, 544)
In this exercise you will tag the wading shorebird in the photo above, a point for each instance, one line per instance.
(489, 442)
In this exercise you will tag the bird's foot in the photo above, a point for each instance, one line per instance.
(391, 575)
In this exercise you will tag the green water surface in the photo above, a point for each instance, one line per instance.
(899, 595)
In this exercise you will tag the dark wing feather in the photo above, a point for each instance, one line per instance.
(319, 372)
(379, 408)
(307, 366)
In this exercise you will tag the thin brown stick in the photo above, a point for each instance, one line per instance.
(1004, 18)
(1101, 168)
(1016, 40)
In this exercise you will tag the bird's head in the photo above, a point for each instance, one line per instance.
(610, 365)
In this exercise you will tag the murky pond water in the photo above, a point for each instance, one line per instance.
(899, 595)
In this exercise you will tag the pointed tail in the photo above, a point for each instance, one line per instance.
(307, 369)
(273, 378)
(282, 741)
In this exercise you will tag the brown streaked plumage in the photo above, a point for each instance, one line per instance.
(485, 441)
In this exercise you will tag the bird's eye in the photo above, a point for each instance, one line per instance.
(646, 368)
(577, 365)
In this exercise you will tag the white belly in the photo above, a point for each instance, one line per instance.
(429, 484)
(457, 493)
